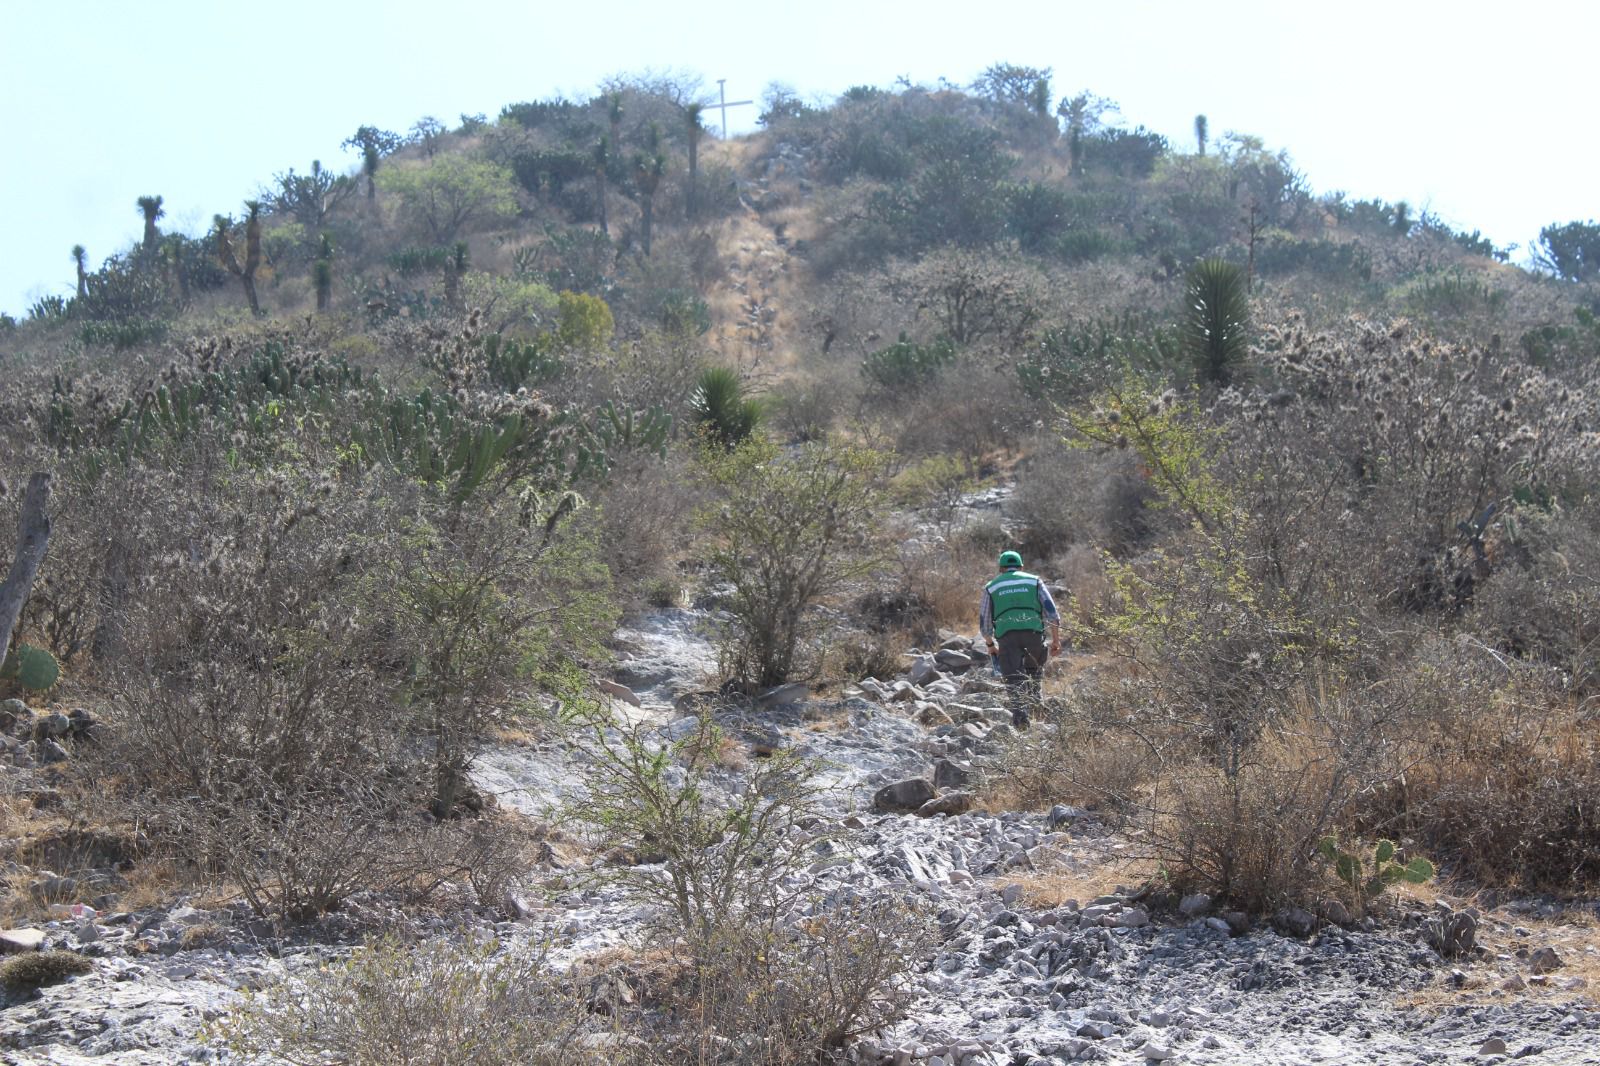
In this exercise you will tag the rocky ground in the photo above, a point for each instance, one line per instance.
(1023, 974)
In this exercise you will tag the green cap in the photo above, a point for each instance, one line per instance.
(1009, 559)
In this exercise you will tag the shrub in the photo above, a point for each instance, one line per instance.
(1067, 497)
(765, 973)
(789, 531)
(1500, 761)
(24, 973)
(1216, 322)
(792, 994)
(1070, 361)
(907, 363)
(439, 1003)
(726, 854)
(725, 414)
(971, 296)
(450, 193)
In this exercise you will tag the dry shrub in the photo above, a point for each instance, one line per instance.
(1543, 601)
(1068, 497)
(1249, 836)
(1084, 760)
(944, 583)
(36, 969)
(769, 974)
(761, 992)
(439, 1003)
(970, 410)
(1080, 570)
(1502, 770)
(646, 508)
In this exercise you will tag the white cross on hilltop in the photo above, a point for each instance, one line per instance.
(723, 103)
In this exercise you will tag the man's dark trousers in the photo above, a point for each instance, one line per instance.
(1022, 659)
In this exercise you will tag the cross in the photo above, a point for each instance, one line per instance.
(723, 104)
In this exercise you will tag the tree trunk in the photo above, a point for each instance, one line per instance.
(694, 173)
(649, 214)
(250, 293)
(33, 537)
(600, 199)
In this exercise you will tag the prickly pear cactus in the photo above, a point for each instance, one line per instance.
(33, 668)
(1369, 879)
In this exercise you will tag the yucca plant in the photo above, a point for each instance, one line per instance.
(722, 410)
(322, 273)
(1216, 321)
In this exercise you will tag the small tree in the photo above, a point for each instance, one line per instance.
(322, 273)
(1201, 127)
(1083, 115)
(309, 198)
(246, 271)
(452, 192)
(1216, 322)
(1570, 251)
(791, 529)
(1008, 83)
(373, 144)
(649, 167)
(695, 130)
(79, 256)
(972, 296)
(600, 160)
(614, 113)
(150, 207)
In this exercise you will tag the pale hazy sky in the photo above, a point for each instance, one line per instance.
(1480, 112)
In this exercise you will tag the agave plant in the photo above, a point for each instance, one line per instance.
(720, 407)
(1216, 322)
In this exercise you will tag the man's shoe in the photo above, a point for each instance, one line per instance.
(1019, 721)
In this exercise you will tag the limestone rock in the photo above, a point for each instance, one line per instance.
(1544, 960)
(907, 795)
(1294, 921)
(949, 773)
(795, 692)
(950, 803)
(617, 690)
(18, 941)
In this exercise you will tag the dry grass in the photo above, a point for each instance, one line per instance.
(1080, 878)
(1504, 976)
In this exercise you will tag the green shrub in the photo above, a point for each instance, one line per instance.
(1216, 322)
(1336, 260)
(789, 529)
(905, 362)
(721, 408)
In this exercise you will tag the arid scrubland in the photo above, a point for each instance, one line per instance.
(359, 483)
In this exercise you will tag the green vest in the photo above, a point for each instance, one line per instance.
(1014, 602)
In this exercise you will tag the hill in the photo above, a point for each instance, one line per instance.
(575, 499)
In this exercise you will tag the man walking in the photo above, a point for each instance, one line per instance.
(1016, 609)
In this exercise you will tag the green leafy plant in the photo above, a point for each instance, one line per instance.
(791, 529)
(722, 409)
(905, 362)
(1368, 876)
(1216, 321)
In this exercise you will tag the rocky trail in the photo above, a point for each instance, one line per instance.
(1112, 977)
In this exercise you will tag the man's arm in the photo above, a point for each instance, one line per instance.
(1052, 617)
(986, 619)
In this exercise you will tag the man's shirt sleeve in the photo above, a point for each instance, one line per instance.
(1049, 604)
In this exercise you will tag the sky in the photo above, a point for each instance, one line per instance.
(1475, 112)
